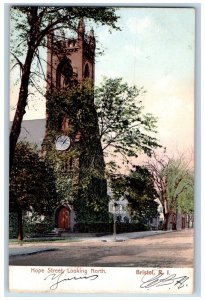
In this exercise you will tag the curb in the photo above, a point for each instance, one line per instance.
(31, 252)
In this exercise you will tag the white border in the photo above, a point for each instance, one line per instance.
(200, 129)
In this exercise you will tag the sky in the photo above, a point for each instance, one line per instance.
(154, 49)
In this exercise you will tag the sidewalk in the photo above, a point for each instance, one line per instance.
(38, 247)
(131, 235)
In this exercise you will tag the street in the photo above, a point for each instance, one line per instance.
(170, 249)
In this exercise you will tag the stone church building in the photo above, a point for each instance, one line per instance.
(69, 63)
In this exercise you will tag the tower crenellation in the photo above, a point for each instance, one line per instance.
(74, 54)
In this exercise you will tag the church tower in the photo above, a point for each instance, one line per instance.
(72, 142)
(70, 60)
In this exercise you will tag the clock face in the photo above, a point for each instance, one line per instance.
(63, 142)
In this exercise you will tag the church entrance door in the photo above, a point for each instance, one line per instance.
(63, 218)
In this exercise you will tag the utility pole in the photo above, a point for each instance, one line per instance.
(114, 222)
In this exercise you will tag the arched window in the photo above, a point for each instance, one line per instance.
(64, 73)
(86, 71)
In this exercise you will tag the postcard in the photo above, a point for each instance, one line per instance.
(102, 106)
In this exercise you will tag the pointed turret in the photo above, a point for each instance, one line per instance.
(81, 28)
(91, 33)
(91, 38)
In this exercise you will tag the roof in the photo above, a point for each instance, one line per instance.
(33, 131)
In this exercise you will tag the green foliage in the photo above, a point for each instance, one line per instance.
(174, 182)
(124, 128)
(37, 225)
(31, 24)
(33, 224)
(91, 205)
(32, 188)
(29, 191)
(107, 227)
(76, 103)
(79, 171)
(131, 227)
(139, 190)
(48, 17)
(186, 201)
(13, 225)
(142, 194)
(180, 186)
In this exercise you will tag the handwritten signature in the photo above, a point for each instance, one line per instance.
(159, 280)
(57, 279)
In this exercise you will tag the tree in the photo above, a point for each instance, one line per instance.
(142, 194)
(31, 24)
(173, 180)
(29, 191)
(186, 200)
(139, 190)
(124, 128)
